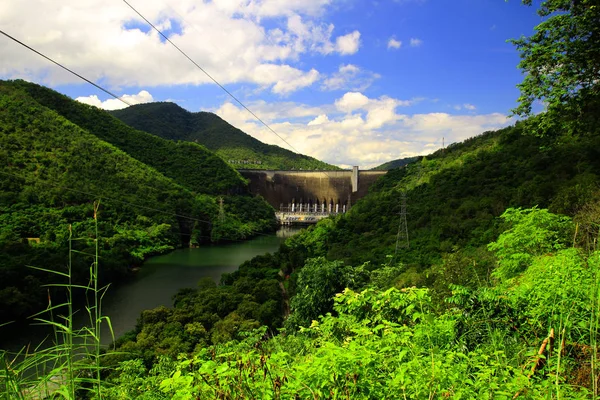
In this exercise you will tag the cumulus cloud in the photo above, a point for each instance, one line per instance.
(351, 101)
(350, 77)
(414, 42)
(394, 44)
(348, 44)
(114, 104)
(359, 130)
(108, 42)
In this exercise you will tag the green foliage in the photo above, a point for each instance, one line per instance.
(561, 63)
(58, 156)
(395, 164)
(533, 232)
(68, 365)
(242, 151)
(557, 291)
(318, 281)
(188, 164)
(378, 345)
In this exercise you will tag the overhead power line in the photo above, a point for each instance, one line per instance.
(134, 205)
(210, 76)
(65, 68)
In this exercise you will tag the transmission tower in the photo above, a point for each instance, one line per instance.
(402, 236)
(221, 210)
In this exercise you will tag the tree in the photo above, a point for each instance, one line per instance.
(533, 232)
(561, 63)
(318, 282)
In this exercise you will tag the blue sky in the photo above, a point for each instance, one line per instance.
(347, 81)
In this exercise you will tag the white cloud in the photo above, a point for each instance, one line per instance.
(465, 106)
(320, 120)
(394, 44)
(114, 104)
(107, 42)
(348, 44)
(358, 130)
(414, 42)
(350, 77)
(288, 79)
(351, 101)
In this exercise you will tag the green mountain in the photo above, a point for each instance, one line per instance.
(189, 164)
(479, 278)
(401, 162)
(58, 158)
(454, 196)
(239, 149)
(473, 273)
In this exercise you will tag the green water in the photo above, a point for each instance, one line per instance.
(158, 280)
(162, 276)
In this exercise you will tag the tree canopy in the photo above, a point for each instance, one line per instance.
(561, 63)
(240, 150)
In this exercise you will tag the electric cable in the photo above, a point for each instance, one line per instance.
(65, 68)
(166, 38)
(100, 197)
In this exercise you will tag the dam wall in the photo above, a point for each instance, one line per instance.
(282, 189)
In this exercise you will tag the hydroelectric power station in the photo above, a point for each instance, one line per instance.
(305, 197)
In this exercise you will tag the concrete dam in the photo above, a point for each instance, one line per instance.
(307, 196)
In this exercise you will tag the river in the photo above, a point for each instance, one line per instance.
(163, 276)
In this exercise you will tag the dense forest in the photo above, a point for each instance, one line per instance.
(364, 314)
(241, 150)
(488, 286)
(401, 162)
(59, 158)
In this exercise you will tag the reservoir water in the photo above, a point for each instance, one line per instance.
(160, 278)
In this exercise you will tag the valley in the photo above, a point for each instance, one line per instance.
(142, 235)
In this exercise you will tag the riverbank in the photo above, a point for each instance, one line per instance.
(155, 284)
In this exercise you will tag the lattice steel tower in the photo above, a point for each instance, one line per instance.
(402, 236)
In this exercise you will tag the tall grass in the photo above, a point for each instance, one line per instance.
(69, 366)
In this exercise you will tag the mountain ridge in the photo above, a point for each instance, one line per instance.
(58, 175)
(240, 150)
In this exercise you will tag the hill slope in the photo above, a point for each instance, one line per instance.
(455, 196)
(401, 162)
(189, 164)
(52, 170)
(241, 150)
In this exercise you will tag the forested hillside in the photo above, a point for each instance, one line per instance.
(241, 150)
(472, 273)
(395, 164)
(188, 164)
(54, 170)
(487, 274)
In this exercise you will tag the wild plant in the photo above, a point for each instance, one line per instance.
(68, 364)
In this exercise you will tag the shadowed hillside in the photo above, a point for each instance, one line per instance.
(55, 165)
(172, 122)
(189, 164)
(401, 162)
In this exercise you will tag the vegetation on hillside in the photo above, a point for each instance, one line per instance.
(52, 172)
(495, 294)
(401, 162)
(188, 164)
(239, 149)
